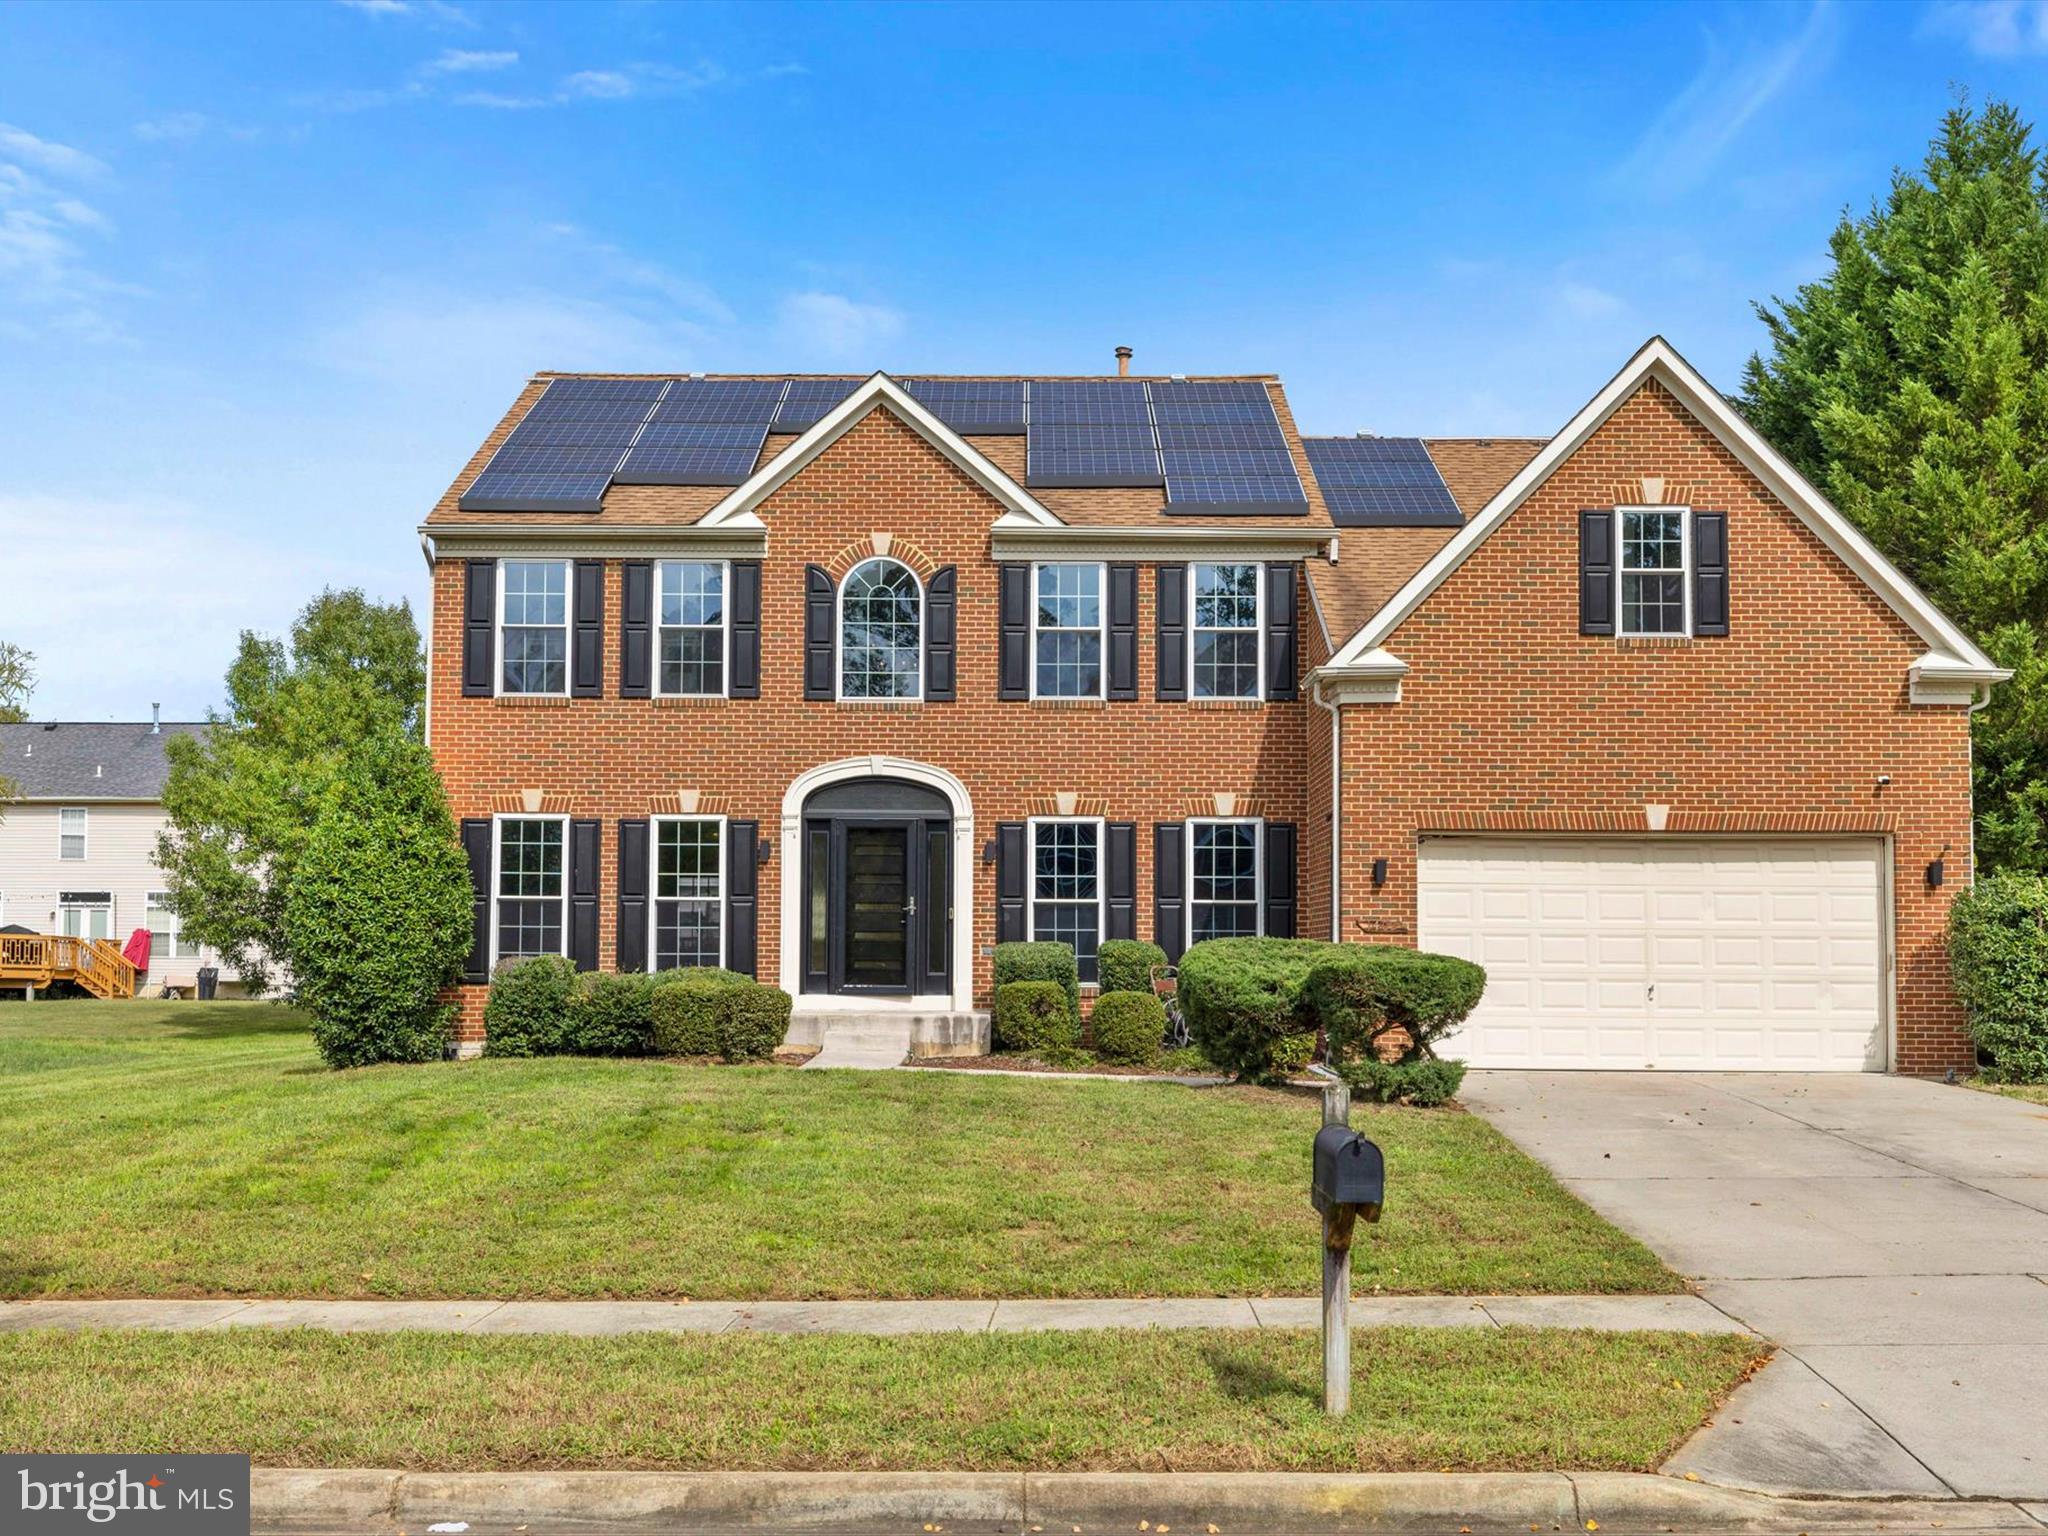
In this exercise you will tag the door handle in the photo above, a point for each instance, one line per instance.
(1653, 992)
(910, 907)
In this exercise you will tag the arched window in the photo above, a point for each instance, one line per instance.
(881, 632)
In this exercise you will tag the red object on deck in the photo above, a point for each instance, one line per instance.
(136, 950)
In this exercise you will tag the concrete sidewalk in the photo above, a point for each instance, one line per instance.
(1685, 1314)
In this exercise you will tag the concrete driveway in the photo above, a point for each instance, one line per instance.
(1891, 1235)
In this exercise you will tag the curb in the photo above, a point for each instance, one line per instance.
(1094, 1501)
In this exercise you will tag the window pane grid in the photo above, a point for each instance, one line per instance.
(1226, 631)
(1224, 886)
(1069, 612)
(1066, 889)
(530, 887)
(534, 628)
(1653, 573)
(71, 834)
(880, 632)
(687, 875)
(692, 627)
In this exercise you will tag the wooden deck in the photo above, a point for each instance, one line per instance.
(37, 960)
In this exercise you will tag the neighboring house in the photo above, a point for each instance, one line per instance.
(78, 848)
(841, 682)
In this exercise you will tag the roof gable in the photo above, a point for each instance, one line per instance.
(90, 760)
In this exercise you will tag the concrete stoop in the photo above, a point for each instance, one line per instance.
(1234, 1502)
(925, 1034)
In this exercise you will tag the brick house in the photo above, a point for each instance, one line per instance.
(842, 681)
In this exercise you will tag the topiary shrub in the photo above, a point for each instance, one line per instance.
(1041, 962)
(1243, 1002)
(1035, 1016)
(527, 1013)
(1125, 965)
(612, 1014)
(1424, 1083)
(377, 916)
(1998, 956)
(686, 1009)
(753, 1023)
(1130, 1027)
(1370, 993)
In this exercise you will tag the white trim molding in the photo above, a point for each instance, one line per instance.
(1374, 678)
(554, 541)
(1018, 540)
(1659, 360)
(789, 966)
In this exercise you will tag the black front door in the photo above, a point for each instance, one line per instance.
(878, 912)
(876, 908)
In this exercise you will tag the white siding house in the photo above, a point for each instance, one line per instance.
(78, 845)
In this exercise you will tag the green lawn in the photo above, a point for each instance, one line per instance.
(1423, 1399)
(181, 1149)
(2033, 1093)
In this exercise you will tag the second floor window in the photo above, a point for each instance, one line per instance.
(881, 632)
(532, 889)
(1225, 633)
(533, 628)
(691, 644)
(71, 832)
(1652, 573)
(1066, 888)
(1067, 625)
(687, 896)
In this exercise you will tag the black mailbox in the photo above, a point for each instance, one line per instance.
(1349, 1171)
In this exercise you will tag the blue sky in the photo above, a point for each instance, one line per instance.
(268, 273)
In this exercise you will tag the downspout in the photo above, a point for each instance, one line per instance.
(427, 703)
(1336, 810)
(1970, 764)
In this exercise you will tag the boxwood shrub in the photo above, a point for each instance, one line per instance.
(1243, 1000)
(612, 1015)
(686, 1010)
(1130, 1027)
(1998, 955)
(1035, 1015)
(753, 1023)
(1041, 962)
(527, 1013)
(1426, 1082)
(1367, 992)
(1125, 965)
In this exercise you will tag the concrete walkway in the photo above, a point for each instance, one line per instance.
(1890, 1234)
(1613, 1313)
(872, 1046)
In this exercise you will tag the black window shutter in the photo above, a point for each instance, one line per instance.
(1123, 631)
(1596, 572)
(1169, 888)
(1122, 888)
(476, 842)
(636, 629)
(1710, 573)
(817, 633)
(743, 676)
(632, 949)
(479, 627)
(1283, 628)
(1279, 879)
(742, 897)
(1173, 632)
(1013, 869)
(585, 859)
(588, 669)
(1015, 648)
(940, 596)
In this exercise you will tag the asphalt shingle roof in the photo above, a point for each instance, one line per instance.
(64, 760)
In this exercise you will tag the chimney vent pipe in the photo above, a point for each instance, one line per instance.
(1123, 362)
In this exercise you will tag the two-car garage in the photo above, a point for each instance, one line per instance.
(1674, 952)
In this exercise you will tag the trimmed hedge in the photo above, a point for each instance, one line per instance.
(1034, 1015)
(1374, 989)
(711, 1012)
(1125, 965)
(1130, 1027)
(612, 1015)
(527, 1013)
(1425, 1083)
(1043, 961)
(1998, 956)
(1244, 1003)
(755, 1023)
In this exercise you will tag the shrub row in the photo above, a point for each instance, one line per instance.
(1998, 955)
(543, 1006)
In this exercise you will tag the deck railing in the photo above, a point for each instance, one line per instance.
(38, 959)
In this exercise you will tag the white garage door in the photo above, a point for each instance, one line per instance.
(1731, 955)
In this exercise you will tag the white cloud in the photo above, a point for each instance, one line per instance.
(1995, 29)
(1688, 138)
(47, 282)
(24, 148)
(172, 128)
(598, 84)
(832, 325)
(72, 211)
(1583, 301)
(471, 61)
(626, 83)
(426, 10)
(499, 101)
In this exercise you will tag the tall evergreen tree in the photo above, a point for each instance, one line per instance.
(1911, 385)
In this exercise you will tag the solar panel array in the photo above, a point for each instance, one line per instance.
(1223, 449)
(703, 432)
(1381, 482)
(809, 399)
(973, 407)
(565, 449)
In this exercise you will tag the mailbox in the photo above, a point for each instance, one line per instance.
(1349, 1172)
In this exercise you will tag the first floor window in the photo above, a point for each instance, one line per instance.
(1223, 880)
(165, 942)
(1067, 620)
(881, 632)
(1066, 888)
(688, 894)
(1226, 631)
(1652, 572)
(532, 889)
(533, 626)
(691, 642)
(71, 832)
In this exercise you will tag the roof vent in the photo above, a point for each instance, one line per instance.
(156, 719)
(97, 770)
(1123, 362)
(51, 726)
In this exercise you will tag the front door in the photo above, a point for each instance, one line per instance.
(876, 909)
(878, 912)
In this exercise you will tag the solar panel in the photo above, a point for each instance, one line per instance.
(1218, 435)
(1070, 401)
(1247, 494)
(809, 399)
(1092, 454)
(1387, 482)
(721, 400)
(704, 432)
(561, 455)
(990, 407)
(1223, 450)
(1223, 400)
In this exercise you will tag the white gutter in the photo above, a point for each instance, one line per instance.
(1013, 541)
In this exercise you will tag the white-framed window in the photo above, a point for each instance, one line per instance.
(1653, 570)
(1067, 887)
(689, 892)
(71, 832)
(881, 632)
(1226, 895)
(534, 611)
(1228, 610)
(1066, 631)
(165, 941)
(530, 887)
(690, 628)
(85, 914)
